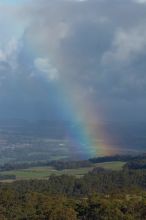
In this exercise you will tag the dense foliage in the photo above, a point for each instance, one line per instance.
(136, 164)
(97, 181)
(99, 195)
(42, 206)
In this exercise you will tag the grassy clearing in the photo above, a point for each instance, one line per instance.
(45, 172)
(115, 165)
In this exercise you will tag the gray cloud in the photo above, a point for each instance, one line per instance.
(93, 41)
(96, 45)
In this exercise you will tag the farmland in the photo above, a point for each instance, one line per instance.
(46, 171)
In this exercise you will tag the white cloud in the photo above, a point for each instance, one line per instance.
(10, 53)
(2, 56)
(44, 66)
(140, 1)
(126, 45)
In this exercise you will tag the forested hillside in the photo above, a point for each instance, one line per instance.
(99, 195)
(31, 205)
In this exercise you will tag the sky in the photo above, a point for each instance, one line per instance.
(58, 56)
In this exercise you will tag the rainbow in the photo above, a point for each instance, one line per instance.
(87, 134)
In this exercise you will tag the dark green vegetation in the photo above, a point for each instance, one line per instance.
(107, 190)
(42, 206)
(103, 193)
(43, 169)
(99, 195)
(38, 180)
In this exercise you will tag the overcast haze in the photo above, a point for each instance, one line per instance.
(95, 49)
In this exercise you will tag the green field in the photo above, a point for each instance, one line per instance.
(45, 172)
(115, 165)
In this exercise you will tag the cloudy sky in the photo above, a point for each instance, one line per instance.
(57, 54)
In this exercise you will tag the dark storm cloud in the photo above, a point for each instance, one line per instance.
(97, 44)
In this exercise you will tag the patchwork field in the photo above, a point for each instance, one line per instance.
(45, 172)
